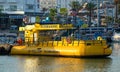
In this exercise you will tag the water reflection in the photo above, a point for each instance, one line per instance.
(61, 64)
(31, 64)
(116, 49)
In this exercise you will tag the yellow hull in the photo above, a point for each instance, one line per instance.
(58, 48)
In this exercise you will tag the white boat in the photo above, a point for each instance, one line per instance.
(116, 35)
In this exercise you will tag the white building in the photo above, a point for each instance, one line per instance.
(19, 6)
(14, 11)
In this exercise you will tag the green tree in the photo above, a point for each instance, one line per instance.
(37, 19)
(75, 5)
(52, 14)
(117, 21)
(63, 11)
(90, 7)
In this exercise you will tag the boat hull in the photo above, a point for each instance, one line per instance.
(78, 49)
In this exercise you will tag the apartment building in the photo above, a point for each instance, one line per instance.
(65, 3)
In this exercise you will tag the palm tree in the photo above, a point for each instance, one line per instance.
(90, 7)
(52, 14)
(75, 5)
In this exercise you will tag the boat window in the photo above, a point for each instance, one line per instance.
(88, 44)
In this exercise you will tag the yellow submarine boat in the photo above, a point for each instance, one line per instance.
(48, 39)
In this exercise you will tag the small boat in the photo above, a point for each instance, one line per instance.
(116, 35)
(56, 40)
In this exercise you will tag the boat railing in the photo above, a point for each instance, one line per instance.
(65, 43)
(46, 27)
(54, 26)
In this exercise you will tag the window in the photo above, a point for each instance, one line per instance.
(1, 7)
(110, 11)
(38, 6)
(13, 7)
(11, 1)
(30, 6)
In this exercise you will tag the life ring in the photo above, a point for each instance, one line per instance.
(68, 40)
(99, 38)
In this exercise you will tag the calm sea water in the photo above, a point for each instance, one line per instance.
(61, 64)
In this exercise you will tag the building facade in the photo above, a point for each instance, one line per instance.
(65, 3)
(48, 4)
(13, 11)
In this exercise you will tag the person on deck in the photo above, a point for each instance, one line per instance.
(19, 40)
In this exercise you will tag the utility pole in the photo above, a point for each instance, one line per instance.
(98, 13)
(116, 6)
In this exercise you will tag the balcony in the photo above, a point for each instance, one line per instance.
(13, 12)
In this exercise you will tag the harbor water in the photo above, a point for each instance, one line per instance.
(18, 63)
